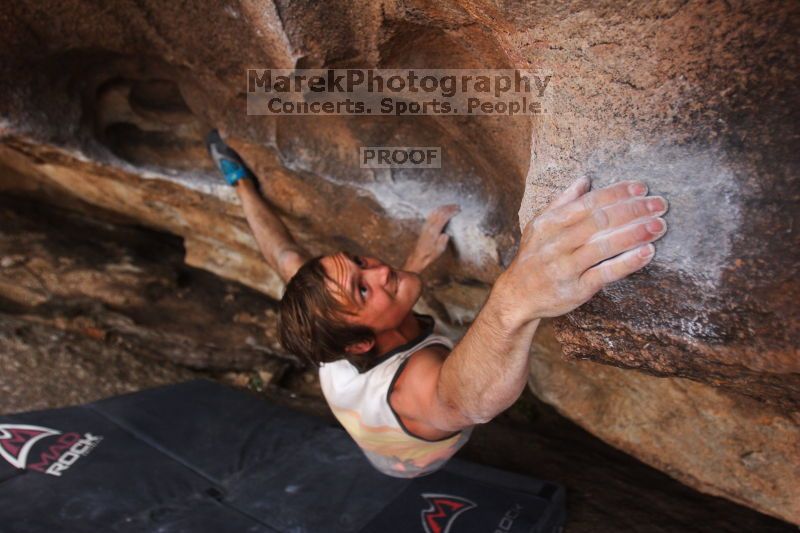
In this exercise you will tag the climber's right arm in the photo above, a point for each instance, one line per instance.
(280, 250)
(581, 243)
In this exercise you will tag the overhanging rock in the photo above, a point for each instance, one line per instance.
(108, 106)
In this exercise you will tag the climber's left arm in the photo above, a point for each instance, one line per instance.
(431, 242)
(280, 250)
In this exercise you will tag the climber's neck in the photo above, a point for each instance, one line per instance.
(406, 331)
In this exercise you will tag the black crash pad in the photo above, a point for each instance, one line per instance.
(202, 457)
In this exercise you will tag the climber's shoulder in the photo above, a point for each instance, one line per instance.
(416, 396)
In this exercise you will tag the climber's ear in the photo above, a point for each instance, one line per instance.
(360, 347)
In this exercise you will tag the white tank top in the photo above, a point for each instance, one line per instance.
(360, 401)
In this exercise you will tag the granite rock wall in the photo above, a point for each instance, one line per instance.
(105, 106)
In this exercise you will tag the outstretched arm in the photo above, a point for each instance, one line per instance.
(582, 242)
(280, 250)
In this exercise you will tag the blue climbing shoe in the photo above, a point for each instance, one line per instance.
(227, 161)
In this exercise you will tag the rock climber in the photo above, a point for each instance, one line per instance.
(408, 396)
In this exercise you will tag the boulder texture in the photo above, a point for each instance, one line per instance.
(724, 444)
(105, 107)
(90, 309)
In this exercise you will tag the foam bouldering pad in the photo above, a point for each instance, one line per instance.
(203, 457)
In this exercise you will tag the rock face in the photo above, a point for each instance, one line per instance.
(107, 107)
(725, 444)
(89, 310)
(129, 287)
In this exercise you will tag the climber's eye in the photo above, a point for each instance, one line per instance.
(362, 290)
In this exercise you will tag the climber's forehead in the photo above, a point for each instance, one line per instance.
(341, 270)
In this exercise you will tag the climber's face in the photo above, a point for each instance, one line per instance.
(374, 294)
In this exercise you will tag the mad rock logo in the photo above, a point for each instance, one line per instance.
(17, 442)
(442, 511)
